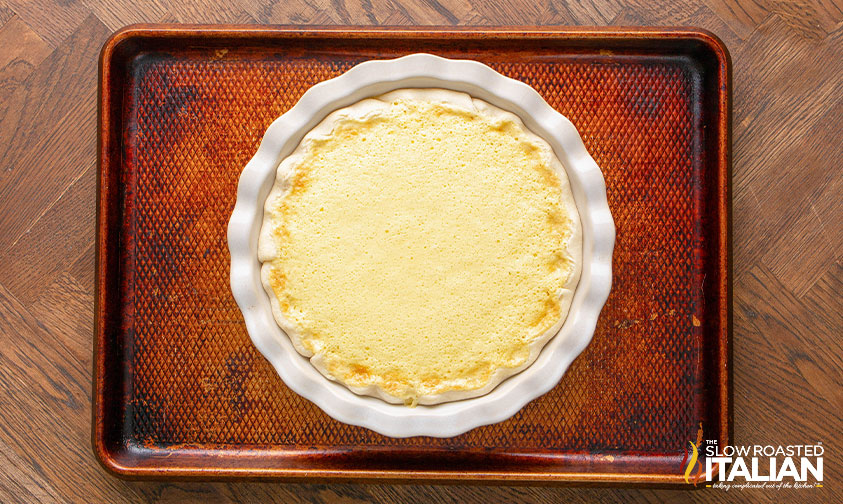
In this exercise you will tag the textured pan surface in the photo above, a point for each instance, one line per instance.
(179, 388)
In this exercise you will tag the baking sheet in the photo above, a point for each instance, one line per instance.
(179, 390)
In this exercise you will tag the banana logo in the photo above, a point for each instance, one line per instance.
(693, 461)
(695, 455)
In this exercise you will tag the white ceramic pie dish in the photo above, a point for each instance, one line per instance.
(374, 78)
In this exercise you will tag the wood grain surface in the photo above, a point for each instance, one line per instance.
(788, 232)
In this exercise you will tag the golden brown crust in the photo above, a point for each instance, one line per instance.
(389, 384)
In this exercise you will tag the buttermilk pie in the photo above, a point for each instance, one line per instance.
(420, 246)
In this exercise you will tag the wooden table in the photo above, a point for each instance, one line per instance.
(788, 236)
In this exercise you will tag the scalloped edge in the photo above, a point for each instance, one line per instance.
(377, 77)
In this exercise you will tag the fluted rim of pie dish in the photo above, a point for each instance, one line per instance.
(374, 78)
